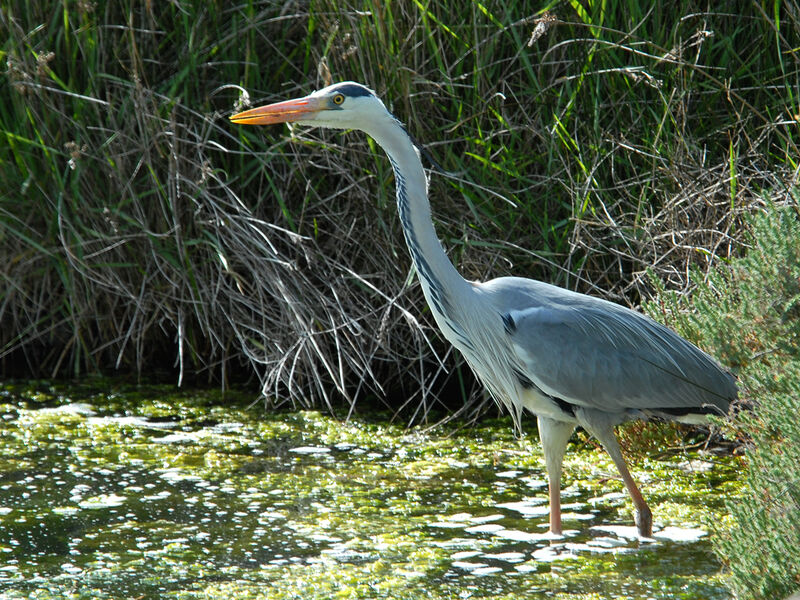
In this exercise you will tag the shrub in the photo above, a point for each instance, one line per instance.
(749, 315)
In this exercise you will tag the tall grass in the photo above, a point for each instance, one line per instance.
(585, 145)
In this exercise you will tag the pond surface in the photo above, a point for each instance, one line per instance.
(155, 494)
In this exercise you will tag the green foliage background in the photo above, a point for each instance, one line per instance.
(586, 143)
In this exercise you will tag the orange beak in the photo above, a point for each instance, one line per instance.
(289, 111)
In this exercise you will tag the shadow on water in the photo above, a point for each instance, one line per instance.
(154, 494)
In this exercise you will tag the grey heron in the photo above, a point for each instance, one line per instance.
(569, 358)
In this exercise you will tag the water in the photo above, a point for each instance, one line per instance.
(153, 494)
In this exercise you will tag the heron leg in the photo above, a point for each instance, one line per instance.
(598, 425)
(554, 436)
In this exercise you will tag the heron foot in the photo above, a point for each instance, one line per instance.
(644, 521)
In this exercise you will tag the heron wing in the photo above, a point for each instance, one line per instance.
(600, 355)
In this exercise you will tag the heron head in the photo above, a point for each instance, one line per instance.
(345, 105)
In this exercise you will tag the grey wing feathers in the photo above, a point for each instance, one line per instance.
(600, 355)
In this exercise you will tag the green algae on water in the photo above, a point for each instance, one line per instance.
(152, 493)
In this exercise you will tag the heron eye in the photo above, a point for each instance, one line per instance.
(338, 99)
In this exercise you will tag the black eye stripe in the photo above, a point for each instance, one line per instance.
(353, 90)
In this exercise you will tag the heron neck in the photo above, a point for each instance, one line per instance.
(441, 282)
